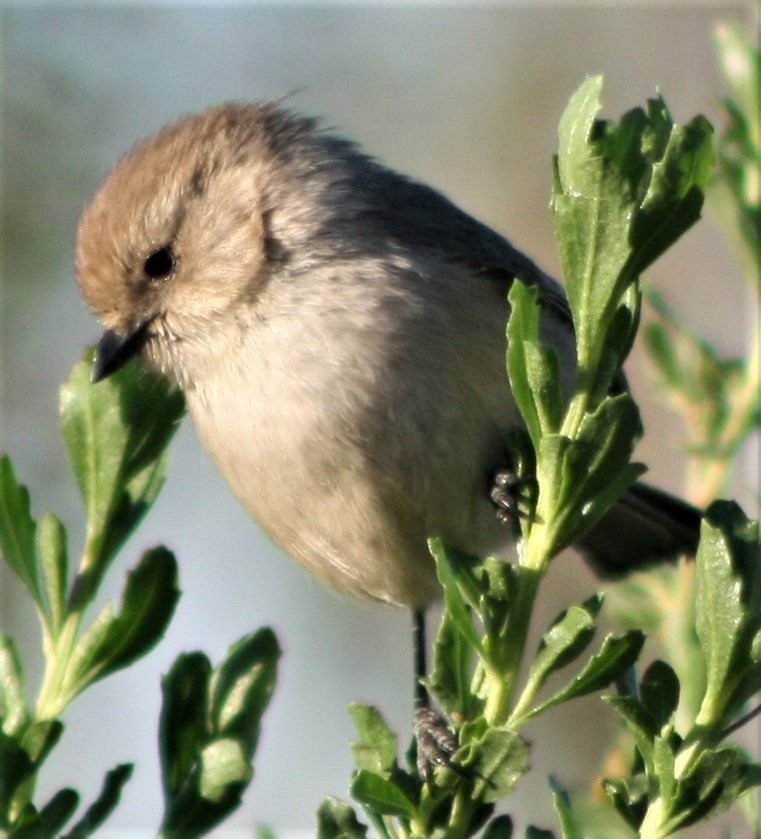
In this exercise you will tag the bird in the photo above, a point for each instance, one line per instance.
(338, 331)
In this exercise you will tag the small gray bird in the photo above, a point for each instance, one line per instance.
(338, 331)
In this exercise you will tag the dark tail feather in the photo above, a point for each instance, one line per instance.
(645, 527)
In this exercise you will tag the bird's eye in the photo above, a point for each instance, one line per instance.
(160, 264)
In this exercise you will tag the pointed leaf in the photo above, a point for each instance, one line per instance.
(533, 368)
(451, 567)
(616, 655)
(561, 801)
(728, 607)
(104, 805)
(377, 747)
(337, 820)
(659, 693)
(569, 635)
(15, 766)
(640, 723)
(500, 827)
(208, 730)
(597, 471)
(241, 687)
(39, 738)
(51, 818)
(622, 194)
(17, 531)
(451, 674)
(496, 761)
(182, 724)
(538, 833)
(114, 641)
(712, 786)
(381, 795)
(54, 561)
(664, 767)
(116, 433)
(522, 329)
(629, 797)
(14, 712)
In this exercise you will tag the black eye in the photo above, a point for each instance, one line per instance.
(160, 264)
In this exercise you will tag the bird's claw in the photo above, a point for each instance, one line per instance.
(435, 742)
(504, 491)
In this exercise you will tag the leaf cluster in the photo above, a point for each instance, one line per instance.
(116, 436)
(116, 443)
(208, 732)
(623, 193)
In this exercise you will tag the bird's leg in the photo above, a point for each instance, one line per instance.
(434, 741)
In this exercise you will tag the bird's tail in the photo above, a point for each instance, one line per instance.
(645, 527)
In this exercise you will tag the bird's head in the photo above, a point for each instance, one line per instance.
(177, 235)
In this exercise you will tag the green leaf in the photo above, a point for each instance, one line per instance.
(538, 833)
(39, 737)
(377, 747)
(182, 724)
(596, 469)
(660, 347)
(208, 730)
(629, 797)
(241, 687)
(337, 820)
(640, 723)
(664, 766)
(450, 676)
(659, 693)
(728, 609)
(569, 635)
(105, 803)
(381, 795)
(21, 755)
(533, 369)
(452, 567)
(496, 761)
(713, 784)
(522, 330)
(17, 531)
(590, 208)
(15, 767)
(116, 433)
(54, 561)
(500, 827)
(561, 801)
(674, 196)
(616, 655)
(51, 817)
(115, 641)
(14, 712)
(622, 194)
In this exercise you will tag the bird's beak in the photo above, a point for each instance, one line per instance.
(115, 350)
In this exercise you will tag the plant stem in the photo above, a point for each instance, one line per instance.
(52, 698)
(502, 689)
(461, 817)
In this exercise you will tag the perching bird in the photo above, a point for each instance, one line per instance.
(338, 331)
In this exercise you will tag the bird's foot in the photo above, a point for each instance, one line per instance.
(505, 494)
(435, 742)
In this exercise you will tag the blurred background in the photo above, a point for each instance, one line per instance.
(466, 97)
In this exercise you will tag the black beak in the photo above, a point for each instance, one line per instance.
(115, 350)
